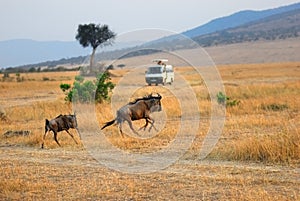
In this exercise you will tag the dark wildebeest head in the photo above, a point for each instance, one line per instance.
(58, 124)
(138, 109)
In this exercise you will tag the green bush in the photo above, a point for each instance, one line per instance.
(222, 98)
(19, 78)
(5, 75)
(88, 91)
(65, 87)
(79, 78)
(225, 100)
(104, 86)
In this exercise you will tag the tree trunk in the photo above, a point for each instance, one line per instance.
(92, 60)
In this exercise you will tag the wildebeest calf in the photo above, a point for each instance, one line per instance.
(138, 109)
(60, 123)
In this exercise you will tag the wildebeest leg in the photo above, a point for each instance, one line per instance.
(72, 136)
(44, 137)
(146, 124)
(120, 128)
(152, 124)
(55, 138)
(131, 127)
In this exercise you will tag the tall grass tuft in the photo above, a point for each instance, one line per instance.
(282, 148)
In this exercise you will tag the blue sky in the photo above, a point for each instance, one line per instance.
(45, 20)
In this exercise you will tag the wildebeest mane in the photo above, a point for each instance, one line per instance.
(58, 116)
(149, 97)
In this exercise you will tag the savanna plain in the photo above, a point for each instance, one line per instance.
(256, 158)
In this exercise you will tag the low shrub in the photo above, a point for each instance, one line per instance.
(87, 91)
(225, 100)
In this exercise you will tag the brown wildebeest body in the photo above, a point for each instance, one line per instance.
(58, 124)
(138, 109)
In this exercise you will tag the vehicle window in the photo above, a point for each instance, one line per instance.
(154, 70)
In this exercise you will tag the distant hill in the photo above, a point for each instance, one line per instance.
(284, 24)
(21, 52)
(24, 51)
(237, 19)
(244, 26)
(223, 23)
(279, 26)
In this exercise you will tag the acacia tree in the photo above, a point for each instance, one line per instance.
(94, 36)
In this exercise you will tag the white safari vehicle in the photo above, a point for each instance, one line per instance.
(160, 73)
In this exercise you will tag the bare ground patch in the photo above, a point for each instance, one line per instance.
(29, 173)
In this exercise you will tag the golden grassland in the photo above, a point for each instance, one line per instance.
(256, 158)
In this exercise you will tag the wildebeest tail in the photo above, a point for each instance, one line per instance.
(108, 123)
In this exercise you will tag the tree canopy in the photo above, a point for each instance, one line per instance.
(94, 35)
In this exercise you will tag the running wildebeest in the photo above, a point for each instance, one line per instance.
(136, 110)
(60, 123)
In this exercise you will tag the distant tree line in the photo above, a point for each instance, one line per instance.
(37, 69)
(227, 37)
(50, 66)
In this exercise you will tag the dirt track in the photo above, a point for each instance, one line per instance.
(72, 174)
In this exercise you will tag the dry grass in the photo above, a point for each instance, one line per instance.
(264, 127)
(27, 104)
(22, 179)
